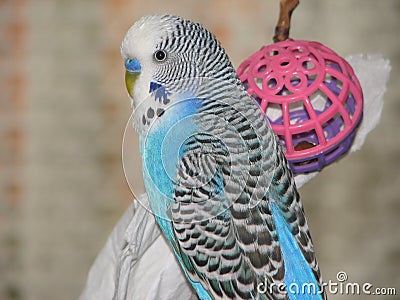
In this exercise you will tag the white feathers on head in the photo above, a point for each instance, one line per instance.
(143, 37)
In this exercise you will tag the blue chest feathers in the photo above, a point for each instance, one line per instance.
(161, 151)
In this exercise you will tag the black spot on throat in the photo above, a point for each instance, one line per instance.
(160, 112)
(150, 113)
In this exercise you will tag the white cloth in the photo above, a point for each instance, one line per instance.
(137, 263)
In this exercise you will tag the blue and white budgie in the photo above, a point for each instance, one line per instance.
(216, 176)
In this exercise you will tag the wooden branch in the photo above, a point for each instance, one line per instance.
(283, 26)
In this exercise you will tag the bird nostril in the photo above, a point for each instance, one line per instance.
(128, 62)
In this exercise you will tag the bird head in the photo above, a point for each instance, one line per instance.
(164, 56)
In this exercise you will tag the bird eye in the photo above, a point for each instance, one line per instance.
(160, 55)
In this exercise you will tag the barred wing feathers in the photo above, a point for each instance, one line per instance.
(237, 215)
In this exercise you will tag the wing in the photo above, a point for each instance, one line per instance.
(237, 216)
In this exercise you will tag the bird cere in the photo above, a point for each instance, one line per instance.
(215, 173)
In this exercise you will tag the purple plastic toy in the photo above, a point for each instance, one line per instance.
(311, 97)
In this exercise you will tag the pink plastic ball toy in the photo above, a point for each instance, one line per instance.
(311, 97)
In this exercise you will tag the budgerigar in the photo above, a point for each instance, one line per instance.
(216, 176)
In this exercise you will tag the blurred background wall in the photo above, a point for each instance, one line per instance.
(63, 110)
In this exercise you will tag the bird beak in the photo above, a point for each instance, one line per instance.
(130, 79)
(132, 72)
